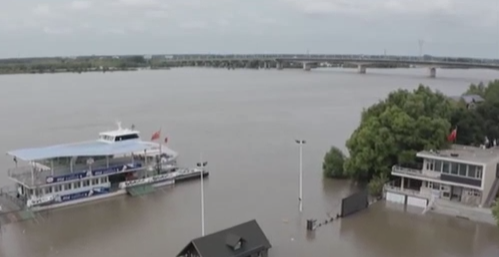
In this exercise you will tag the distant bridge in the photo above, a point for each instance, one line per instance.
(307, 62)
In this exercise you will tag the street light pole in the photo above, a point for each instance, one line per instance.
(202, 164)
(300, 197)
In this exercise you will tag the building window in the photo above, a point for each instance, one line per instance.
(474, 192)
(479, 173)
(462, 169)
(438, 166)
(454, 168)
(445, 167)
(472, 171)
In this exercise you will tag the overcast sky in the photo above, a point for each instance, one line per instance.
(82, 27)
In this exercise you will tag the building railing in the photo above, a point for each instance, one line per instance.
(405, 170)
(390, 187)
(415, 172)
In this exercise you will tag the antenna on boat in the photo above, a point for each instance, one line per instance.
(119, 125)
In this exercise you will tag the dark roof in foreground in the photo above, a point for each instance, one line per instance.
(222, 243)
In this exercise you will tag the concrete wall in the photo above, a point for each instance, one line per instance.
(488, 178)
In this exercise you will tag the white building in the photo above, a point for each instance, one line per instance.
(463, 174)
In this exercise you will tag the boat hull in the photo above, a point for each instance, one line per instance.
(93, 199)
(119, 192)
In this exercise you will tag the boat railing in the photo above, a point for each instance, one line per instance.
(9, 193)
(31, 175)
(20, 170)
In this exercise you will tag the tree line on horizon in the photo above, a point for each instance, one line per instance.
(78, 64)
(393, 130)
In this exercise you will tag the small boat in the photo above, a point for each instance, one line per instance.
(118, 162)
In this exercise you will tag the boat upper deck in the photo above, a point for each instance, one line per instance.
(82, 149)
(107, 155)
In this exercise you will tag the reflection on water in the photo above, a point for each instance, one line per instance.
(245, 123)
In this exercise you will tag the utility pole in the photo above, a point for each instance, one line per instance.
(300, 197)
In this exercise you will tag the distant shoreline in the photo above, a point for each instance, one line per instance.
(78, 65)
(104, 64)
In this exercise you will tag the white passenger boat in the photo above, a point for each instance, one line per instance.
(116, 163)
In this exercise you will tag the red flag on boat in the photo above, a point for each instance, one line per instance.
(156, 135)
(166, 140)
(452, 136)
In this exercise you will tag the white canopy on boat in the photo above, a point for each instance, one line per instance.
(90, 148)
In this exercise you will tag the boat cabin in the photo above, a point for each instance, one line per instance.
(86, 168)
(119, 135)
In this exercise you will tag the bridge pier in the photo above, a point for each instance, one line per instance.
(432, 72)
(307, 66)
(361, 69)
(279, 65)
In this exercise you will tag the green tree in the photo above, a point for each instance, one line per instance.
(476, 90)
(375, 186)
(332, 166)
(477, 123)
(489, 92)
(495, 210)
(394, 130)
(470, 126)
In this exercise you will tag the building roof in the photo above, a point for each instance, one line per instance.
(89, 148)
(223, 243)
(471, 98)
(461, 153)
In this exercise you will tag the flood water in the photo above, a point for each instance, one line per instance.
(244, 123)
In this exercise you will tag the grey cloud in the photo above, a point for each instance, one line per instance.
(62, 27)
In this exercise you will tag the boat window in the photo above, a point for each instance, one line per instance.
(48, 190)
(95, 181)
(103, 180)
(86, 183)
(77, 185)
(126, 137)
(57, 188)
(107, 138)
(67, 187)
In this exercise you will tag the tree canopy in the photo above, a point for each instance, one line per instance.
(393, 130)
(333, 163)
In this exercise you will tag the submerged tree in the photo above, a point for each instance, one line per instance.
(395, 129)
(375, 186)
(332, 166)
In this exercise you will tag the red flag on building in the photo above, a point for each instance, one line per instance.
(156, 135)
(166, 140)
(452, 136)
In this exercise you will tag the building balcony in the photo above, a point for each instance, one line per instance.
(410, 172)
(392, 187)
